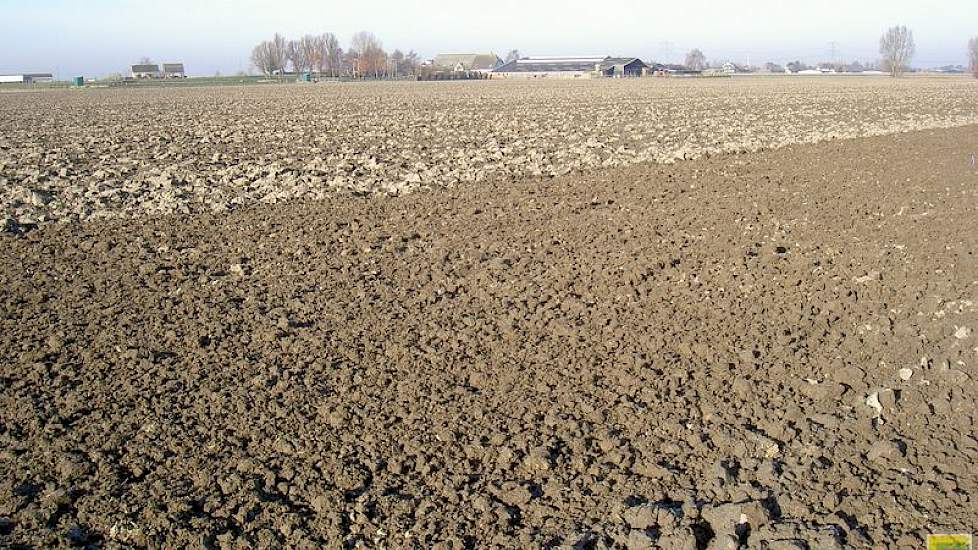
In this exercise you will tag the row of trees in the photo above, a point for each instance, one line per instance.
(897, 49)
(323, 55)
(366, 57)
(696, 60)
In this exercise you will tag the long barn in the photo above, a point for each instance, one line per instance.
(572, 67)
(27, 78)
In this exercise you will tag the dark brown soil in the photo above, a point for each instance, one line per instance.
(702, 355)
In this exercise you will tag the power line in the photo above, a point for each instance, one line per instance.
(833, 51)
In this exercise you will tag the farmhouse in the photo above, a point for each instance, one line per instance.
(145, 71)
(466, 62)
(173, 70)
(571, 67)
(28, 78)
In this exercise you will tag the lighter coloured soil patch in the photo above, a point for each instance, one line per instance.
(85, 154)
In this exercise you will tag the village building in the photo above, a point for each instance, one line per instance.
(666, 69)
(174, 70)
(145, 70)
(467, 62)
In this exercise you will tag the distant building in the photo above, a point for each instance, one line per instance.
(467, 62)
(173, 70)
(618, 67)
(571, 67)
(666, 69)
(27, 78)
(145, 71)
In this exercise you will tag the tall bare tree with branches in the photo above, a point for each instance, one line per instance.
(409, 65)
(333, 53)
(269, 57)
(278, 52)
(310, 52)
(396, 62)
(261, 58)
(296, 56)
(368, 54)
(973, 56)
(897, 49)
(317, 57)
(695, 60)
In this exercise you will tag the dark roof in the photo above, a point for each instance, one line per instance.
(173, 67)
(669, 67)
(621, 62)
(551, 64)
(145, 68)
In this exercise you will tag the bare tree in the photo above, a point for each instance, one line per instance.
(973, 56)
(310, 52)
(348, 63)
(317, 52)
(261, 58)
(296, 56)
(401, 64)
(356, 51)
(396, 61)
(277, 52)
(333, 53)
(410, 63)
(513, 55)
(695, 60)
(897, 49)
(146, 61)
(317, 57)
(269, 57)
(368, 53)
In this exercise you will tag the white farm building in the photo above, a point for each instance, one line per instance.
(27, 78)
(153, 70)
(571, 67)
(174, 70)
(145, 70)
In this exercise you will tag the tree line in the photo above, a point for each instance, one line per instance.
(322, 54)
(897, 48)
(365, 56)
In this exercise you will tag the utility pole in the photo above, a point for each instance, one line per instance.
(834, 53)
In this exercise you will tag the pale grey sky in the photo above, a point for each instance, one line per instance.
(97, 37)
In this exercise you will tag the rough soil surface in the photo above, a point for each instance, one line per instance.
(768, 350)
(83, 154)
